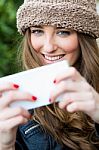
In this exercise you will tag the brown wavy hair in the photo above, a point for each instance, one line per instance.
(74, 130)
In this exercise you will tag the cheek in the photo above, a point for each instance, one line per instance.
(70, 45)
(72, 57)
(36, 44)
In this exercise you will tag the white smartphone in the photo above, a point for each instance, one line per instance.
(38, 82)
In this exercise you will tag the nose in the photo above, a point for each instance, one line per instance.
(50, 45)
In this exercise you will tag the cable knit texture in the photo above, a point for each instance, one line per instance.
(78, 15)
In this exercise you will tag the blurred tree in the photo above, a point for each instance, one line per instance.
(8, 36)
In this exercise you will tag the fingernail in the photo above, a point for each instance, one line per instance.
(16, 86)
(54, 81)
(34, 98)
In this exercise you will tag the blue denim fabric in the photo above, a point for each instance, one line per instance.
(31, 136)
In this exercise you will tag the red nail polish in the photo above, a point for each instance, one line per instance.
(34, 98)
(54, 81)
(16, 86)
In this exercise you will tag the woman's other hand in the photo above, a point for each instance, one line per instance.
(78, 94)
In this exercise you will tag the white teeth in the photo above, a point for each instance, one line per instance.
(54, 58)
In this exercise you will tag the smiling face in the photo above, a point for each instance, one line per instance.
(55, 44)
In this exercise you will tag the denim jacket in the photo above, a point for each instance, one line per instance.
(31, 136)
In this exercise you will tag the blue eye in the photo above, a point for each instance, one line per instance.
(63, 33)
(37, 32)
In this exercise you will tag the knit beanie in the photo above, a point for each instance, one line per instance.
(78, 15)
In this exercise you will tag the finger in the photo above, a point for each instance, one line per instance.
(87, 106)
(69, 87)
(73, 97)
(71, 73)
(8, 86)
(9, 113)
(12, 96)
(13, 122)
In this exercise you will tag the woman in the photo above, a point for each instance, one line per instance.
(54, 31)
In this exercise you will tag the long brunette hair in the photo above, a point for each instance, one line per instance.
(75, 130)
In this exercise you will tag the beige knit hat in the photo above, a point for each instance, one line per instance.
(79, 15)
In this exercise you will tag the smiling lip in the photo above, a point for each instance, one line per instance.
(53, 58)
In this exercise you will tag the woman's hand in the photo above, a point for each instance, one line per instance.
(11, 118)
(78, 95)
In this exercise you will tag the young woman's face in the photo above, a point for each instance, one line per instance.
(55, 44)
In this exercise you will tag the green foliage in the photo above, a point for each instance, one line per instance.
(8, 36)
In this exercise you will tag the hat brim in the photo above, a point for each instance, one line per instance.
(71, 16)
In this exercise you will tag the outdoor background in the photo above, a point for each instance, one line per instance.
(9, 37)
